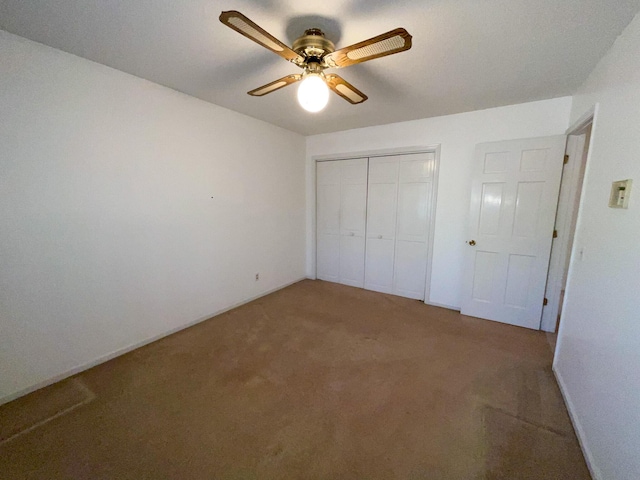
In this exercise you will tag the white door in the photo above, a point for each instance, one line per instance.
(328, 221)
(415, 183)
(353, 211)
(514, 195)
(566, 217)
(381, 223)
(341, 220)
(398, 223)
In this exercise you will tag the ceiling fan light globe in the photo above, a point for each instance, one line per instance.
(313, 93)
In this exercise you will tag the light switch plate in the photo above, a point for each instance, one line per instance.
(620, 192)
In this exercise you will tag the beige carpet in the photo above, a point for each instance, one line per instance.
(316, 381)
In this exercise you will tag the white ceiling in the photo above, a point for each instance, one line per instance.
(466, 55)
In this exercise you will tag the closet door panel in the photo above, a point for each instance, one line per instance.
(352, 232)
(379, 264)
(410, 269)
(413, 219)
(380, 247)
(417, 167)
(353, 171)
(328, 209)
(381, 223)
(328, 258)
(381, 210)
(383, 170)
(328, 173)
(412, 233)
(328, 221)
(353, 216)
(352, 260)
(353, 208)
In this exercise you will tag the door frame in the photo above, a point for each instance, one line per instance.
(435, 149)
(562, 249)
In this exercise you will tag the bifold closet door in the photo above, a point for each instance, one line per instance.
(415, 184)
(398, 222)
(341, 220)
(353, 212)
(381, 223)
(328, 221)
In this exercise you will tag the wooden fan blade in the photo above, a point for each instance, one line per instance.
(343, 88)
(395, 41)
(246, 27)
(276, 85)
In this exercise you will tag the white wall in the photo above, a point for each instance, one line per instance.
(129, 210)
(457, 135)
(598, 352)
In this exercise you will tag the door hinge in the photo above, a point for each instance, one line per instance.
(555, 234)
(566, 159)
(545, 301)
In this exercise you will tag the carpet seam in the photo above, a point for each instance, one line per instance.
(90, 398)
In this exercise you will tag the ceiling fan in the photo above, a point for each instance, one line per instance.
(314, 53)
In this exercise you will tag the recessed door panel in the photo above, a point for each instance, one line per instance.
(352, 260)
(534, 160)
(383, 170)
(416, 167)
(519, 275)
(491, 208)
(412, 211)
(484, 275)
(328, 257)
(353, 171)
(527, 211)
(410, 269)
(495, 162)
(381, 209)
(379, 264)
(328, 173)
(353, 205)
(328, 208)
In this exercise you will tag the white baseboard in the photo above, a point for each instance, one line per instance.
(582, 439)
(133, 346)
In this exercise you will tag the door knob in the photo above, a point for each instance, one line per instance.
(379, 236)
(351, 234)
(471, 242)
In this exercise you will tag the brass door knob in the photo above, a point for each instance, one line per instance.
(472, 242)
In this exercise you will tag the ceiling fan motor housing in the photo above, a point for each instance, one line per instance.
(313, 45)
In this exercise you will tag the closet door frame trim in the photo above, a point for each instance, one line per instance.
(435, 149)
